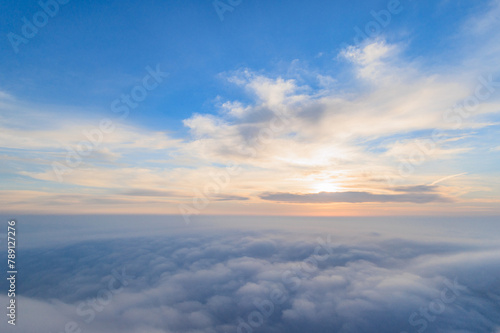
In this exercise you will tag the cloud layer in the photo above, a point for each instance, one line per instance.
(379, 277)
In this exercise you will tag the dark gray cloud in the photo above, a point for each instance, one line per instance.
(230, 198)
(354, 197)
(416, 188)
(67, 200)
(329, 279)
(148, 193)
(160, 193)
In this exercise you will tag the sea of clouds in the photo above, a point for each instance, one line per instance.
(233, 274)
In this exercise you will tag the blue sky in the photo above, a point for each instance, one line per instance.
(226, 79)
(91, 52)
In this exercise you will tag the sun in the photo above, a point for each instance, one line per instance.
(326, 187)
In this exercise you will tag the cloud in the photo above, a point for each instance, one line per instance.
(368, 277)
(148, 193)
(230, 198)
(353, 197)
(416, 188)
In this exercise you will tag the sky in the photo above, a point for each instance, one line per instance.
(324, 108)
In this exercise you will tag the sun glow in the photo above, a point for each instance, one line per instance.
(326, 187)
